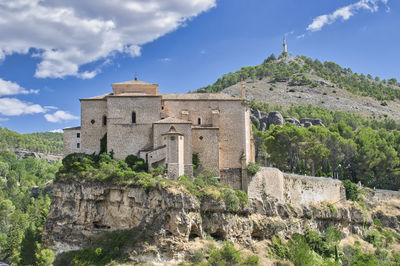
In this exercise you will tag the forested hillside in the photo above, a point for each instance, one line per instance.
(24, 204)
(348, 147)
(43, 142)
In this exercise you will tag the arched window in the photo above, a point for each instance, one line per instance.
(104, 120)
(133, 118)
(199, 121)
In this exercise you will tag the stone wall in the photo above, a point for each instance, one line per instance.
(296, 189)
(306, 190)
(381, 195)
(206, 145)
(125, 137)
(92, 127)
(71, 140)
(231, 177)
(232, 114)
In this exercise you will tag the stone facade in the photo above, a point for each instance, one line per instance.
(167, 129)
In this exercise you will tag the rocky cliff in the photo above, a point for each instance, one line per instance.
(170, 217)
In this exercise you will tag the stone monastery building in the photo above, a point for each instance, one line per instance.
(167, 130)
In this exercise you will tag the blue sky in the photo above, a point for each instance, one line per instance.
(48, 62)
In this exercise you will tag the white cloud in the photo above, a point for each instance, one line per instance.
(11, 88)
(165, 59)
(345, 13)
(60, 116)
(57, 131)
(2, 119)
(67, 34)
(15, 107)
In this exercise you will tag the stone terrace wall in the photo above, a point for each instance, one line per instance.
(306, 190)
(295, 189)
(385, 195)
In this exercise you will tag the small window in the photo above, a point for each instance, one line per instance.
(133, 118)
(201, 138)
(162, 107)
(199, 121)
(92, 121)
(78, 135)
(104, 120)
(78, 145)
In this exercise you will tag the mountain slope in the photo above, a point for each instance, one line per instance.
(43, 142)
(303, 81)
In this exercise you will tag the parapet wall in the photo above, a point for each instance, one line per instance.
(381, 195)
(306, 190)
(295, 189)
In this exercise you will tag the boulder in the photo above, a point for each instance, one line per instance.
(253, 119)
(275, 118)
(292, 120)
(307, 124)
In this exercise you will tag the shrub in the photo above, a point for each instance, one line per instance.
(45, 257)
(251, 261)
(252, 169)
(242, 196)
(137, 164)
(227, 255)
(332, 208)
(197, 257)
(363, 259)
(352, 190)
(232, 201)
(195, 161)
(279, 249)
(374, 237)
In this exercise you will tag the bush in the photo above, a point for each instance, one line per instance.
(252, 169)
(137, 164)
(332, 208)
(232, 201)
(352, 190)
(45, 257)
(227, 255)
(363, 259)
(195, 161)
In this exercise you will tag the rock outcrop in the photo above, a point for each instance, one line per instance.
(171, 217)
(275, 118)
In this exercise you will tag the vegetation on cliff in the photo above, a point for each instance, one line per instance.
(44, 142)
(312, 248)
(132, 171)
(349, 147)
(24, 204)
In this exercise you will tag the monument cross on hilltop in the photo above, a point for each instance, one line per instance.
(284, 45)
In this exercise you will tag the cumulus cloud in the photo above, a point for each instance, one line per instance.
(60, 116)
(15, 107)
(345, 13)
(11, 88)
(57, 131)
(67, 34)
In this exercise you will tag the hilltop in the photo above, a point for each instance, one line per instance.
(300, 80)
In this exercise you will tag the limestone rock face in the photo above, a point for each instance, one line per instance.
(171, 217)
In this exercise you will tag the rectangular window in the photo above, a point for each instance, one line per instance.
(78, 135)
(78, 145)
